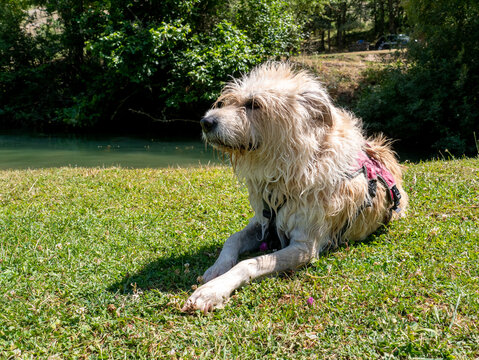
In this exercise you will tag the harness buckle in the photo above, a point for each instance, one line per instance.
(396, 197)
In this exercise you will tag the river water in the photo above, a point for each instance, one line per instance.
(44, 151)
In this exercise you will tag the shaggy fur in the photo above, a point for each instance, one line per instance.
(295, 151)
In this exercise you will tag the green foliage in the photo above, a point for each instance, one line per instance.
(103, 59)
(195, 66)
(136, 52)
(433, 101)
(420, 108)
(200, 73)
(274, 27)
(25, 64)
(11, 18)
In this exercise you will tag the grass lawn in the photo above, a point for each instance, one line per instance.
(95, 263)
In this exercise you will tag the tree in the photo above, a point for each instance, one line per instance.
(387, 15)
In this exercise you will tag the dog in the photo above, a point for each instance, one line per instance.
(314, 180)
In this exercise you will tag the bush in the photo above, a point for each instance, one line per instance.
(26, 97)
(422, 109)
(202, 69)
(432, 103)
(268, 23)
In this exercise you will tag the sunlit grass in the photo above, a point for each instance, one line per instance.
(95, 263)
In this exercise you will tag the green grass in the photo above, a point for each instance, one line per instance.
(95, 263)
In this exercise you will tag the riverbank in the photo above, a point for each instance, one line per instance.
(96, 263)
(25, 151)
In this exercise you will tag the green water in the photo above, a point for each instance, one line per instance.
(33, 152)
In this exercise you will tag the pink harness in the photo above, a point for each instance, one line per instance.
(374, 171)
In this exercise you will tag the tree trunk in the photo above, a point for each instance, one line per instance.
(340, 23)
(391, 17)
(74, 40)
(380, 20)
(344, 8)
(329, 38)
(328, 14)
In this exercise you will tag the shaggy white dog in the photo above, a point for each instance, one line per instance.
(314, 180)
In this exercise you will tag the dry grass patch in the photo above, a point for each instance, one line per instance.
(343, 73)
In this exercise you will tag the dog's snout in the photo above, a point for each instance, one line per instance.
(208, 123)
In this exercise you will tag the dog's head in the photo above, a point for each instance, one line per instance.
(274, 105)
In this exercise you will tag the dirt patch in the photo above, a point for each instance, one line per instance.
(344, 73)
(37, 18)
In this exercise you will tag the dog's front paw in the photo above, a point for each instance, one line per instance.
(207, 298)
(219, 268)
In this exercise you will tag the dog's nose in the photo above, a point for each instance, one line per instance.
(208, 123)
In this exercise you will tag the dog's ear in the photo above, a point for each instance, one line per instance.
(319, 105)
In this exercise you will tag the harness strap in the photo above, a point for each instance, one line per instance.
(271, 239)
(373, 171)
(394, 195)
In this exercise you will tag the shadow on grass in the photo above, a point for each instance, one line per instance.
(382, 230)
(169, 274)
(179, 273)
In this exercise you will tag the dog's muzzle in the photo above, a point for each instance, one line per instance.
(208, 123)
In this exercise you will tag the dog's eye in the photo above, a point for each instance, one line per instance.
(251, 104)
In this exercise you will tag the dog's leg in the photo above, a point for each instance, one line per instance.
(214, 293)
(245, 240)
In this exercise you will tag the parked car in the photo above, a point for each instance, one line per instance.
(360, 45)
(391, 41)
